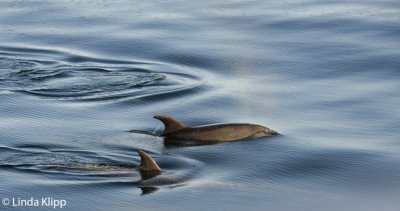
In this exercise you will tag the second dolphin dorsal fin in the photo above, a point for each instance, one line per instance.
(147, 163)
(170, 123)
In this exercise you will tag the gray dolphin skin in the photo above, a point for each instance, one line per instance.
(175, 132)
(148, 167)
(153, 177)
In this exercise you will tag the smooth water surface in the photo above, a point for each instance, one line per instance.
(81, 80)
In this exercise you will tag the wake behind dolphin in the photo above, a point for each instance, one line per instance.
(86, 165)
(176, 132)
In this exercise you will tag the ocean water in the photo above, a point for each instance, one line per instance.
(81, 80)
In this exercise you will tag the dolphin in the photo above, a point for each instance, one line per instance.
(153, 176)
(176, 132)
(146, 175)
(148, 167)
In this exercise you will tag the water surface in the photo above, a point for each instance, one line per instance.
(81, 80)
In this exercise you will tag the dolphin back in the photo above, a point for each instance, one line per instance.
(220, 133)
(148, 167)
(170, 124)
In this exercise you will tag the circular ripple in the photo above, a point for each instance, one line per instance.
(91, 83)
(91, 79)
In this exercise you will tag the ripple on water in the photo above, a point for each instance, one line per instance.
(87, 78)
(96, 168)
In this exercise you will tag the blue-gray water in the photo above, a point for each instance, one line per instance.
(81, 80)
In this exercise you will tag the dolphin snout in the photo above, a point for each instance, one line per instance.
(272, 132)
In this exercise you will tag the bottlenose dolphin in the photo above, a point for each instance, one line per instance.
(146, 174)
(148, 167)
(177, 133)
(153, 177)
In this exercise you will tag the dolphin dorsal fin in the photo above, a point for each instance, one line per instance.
(170, 124)
(148, 164)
